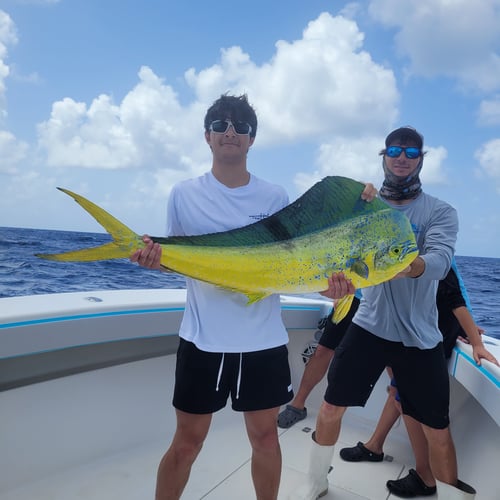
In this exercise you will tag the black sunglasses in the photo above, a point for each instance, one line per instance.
(222, 126)
(411, 152)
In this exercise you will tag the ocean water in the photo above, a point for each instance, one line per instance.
(21, 273)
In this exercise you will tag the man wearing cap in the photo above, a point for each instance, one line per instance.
(396, 325)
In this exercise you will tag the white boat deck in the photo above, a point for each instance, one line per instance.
(100, 434)
(221, 472)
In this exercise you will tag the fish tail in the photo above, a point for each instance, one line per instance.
(125, 241)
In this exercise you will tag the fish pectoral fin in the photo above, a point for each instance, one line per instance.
(361, 269)
(342, 307)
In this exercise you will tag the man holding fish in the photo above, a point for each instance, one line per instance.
(227, 346)
(396, 325)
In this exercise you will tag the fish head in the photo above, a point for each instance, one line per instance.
(386, 245)
(397, 249)
(391, 259)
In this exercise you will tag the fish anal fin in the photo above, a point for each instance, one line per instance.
(342, 307)
(255, 297)
(252, 296)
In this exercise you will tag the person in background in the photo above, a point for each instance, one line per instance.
(455, 321)
(317, 366)
(396, 325)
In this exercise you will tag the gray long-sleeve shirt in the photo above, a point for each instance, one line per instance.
(404, 309)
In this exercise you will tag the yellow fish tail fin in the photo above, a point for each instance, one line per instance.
(124, 243)
(342, 307)
(102, 252)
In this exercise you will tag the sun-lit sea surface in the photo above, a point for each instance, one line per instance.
(21, 273)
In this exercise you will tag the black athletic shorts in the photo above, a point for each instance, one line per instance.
(421, 375)
(255, 380)
(334, 333)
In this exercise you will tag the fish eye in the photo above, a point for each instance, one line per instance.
(395, 251)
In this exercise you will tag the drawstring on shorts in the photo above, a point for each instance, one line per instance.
(219, 375)
(239, 378)
(221, 366)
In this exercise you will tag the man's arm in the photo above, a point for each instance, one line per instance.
(414, 270)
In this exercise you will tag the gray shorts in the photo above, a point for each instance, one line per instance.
(421, 375)
(255, 380)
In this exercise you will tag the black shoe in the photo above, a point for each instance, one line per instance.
(410, 486)
(360, 453)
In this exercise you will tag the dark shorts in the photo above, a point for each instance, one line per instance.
(334, 333)
(421, 375)
(255, 380)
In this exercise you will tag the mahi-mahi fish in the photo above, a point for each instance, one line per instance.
(326, 230)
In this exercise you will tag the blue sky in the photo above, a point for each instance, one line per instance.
(107, 98)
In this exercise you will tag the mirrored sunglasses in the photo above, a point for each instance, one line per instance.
(221, 127)
(411, 152)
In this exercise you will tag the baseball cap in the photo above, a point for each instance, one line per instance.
(407, 133)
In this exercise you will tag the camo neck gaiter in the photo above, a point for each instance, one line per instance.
(401, 188)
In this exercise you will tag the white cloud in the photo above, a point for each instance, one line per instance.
(33, 78)
(489, 111)
(147, 129)
(93, 137)
(8, 36)
(488, 156)
(355, 158)
(458, 39)
(360, 160)
(322, 89)
(315, 87)
(12, 153)
(312, 89)
(433, 171)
